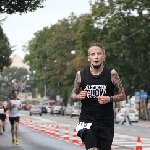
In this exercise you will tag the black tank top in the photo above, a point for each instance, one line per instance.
(96, 85)
(4, 109)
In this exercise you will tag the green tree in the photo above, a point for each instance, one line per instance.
(125, 38)
(50, 55)
(5, 51)
(21, 6)
(11, 78)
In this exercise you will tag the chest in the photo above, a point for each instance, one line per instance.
(17, 102)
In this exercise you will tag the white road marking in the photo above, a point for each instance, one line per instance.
(119, 140)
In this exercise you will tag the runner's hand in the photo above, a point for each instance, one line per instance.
(19, 107)
(14, 105)
(103, 99)
(82, 94)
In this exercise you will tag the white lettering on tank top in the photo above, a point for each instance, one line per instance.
(95, 90)
(83, 125)
(14, 112)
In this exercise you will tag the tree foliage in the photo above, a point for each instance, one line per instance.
(18, 75)
(50, 55)
(21, 6)
(124, 34)
(125, 37)
(5, 51)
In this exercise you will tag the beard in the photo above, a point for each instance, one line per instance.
(96, 66)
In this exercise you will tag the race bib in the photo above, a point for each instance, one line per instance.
(1, 110)
(83, 125)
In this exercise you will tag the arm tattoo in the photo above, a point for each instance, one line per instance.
(8, 105)
(76, 89)
(117, 83)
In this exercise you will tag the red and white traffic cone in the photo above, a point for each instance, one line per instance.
(31, 125)
(138, 145)
(28, 124)
(52, 131)
(57, 135)
(36, 127)
(47, 131)
(75, 138)
(21, 121)
(42, 128)
(25, 122)
(66, 135)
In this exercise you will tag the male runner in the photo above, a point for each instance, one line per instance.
(97, 84)
(2, 117)
(14, 105)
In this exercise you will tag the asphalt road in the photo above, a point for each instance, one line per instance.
(125, 136)
(31, 140)
(67, 121)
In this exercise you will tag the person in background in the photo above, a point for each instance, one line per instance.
(14, 106)
(148, 111)
(126, 116)
(122, 110)
(2, 117)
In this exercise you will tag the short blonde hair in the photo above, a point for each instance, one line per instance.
(98, 45)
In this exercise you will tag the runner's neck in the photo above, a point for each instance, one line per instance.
(96, 71)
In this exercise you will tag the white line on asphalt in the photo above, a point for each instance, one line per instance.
(134, 130)
(123, 142)
(133, 145)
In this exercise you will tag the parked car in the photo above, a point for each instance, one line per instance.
(44, 110)
(49, 108)
(133, 115)
(56, 110)
(75, 111)
(35, 109)
(68, 110)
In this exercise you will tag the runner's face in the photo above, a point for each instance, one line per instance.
(15, 94)
(96, 56)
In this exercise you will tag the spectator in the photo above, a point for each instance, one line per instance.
(148, 111)
(126, 115)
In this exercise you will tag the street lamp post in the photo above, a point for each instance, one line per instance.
(21, 88)
(144, 96)
(146, 12)
(74, 51)
(45, 89)
(29, 76)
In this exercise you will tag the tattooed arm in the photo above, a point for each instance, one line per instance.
(9, 106)
(117, 83)
(76, 88)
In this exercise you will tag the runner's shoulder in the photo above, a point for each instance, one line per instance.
(13, 98)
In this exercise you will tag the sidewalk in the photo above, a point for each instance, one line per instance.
(142, 123)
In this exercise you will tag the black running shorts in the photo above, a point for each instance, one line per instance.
(92, 140)
(3, 117)
(14, 119)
